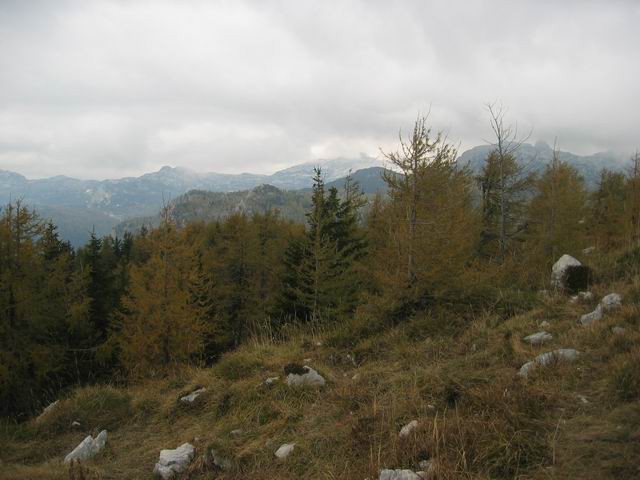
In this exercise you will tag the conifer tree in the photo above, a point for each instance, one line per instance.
(557, 212)
(160, 326)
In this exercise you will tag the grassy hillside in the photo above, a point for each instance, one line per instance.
(453, 371)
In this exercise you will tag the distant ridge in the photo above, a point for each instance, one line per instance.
(80, 206)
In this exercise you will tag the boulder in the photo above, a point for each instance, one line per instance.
(298, 376)
(544, 359)
(193, 395)
(538, 338)
(285, 450)
(408, 429)
(173, 462)
(400, 474)
(88, 448)
(559, 270)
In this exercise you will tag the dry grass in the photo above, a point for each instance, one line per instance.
(477, 420)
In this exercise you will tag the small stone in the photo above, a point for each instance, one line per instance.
(75, 424)
(399, 474)
(588, 250)
(408, 429)
(235, 433)
(618, 330)
(285, 450)
(545, 324)
(611, 302)
(271, 381)
(544, 359)
(595, 316)
(585, 296)
(538, 338)
(303, 376)
(173, 462)
(583, 399)
(193, 395)
(88, 448)
(47, 410)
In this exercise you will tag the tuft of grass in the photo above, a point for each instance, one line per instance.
(625, 378)
(95, 407)
(240, 365)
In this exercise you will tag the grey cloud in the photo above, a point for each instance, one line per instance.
(111, 88)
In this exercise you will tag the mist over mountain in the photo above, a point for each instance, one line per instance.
(79, 207)
(536, 156)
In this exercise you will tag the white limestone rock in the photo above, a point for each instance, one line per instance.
(408, 429)
(618, 330)
(285, 450)
(547, 358)
(193, 395)
(47, 410)
(309, 378)
(595, 316)
(88, 448)
(608, 303)
(611, 302)
(588, 250)
(538, 338)
(559, 269)
(271, 381)
(400, 474)
(545, 324)
(173, 462)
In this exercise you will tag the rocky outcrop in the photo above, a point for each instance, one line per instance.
(174, 462)
(88, 448)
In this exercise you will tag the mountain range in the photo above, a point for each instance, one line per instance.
(80, 206)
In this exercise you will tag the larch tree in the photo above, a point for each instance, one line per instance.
(556, 214)
(431, 222)
(160, 326)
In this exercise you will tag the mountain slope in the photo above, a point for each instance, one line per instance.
(476, 419)
(536, 157)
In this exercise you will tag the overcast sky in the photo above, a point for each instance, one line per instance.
(101, 89)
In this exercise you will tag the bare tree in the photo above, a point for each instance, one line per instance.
(512, 179)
